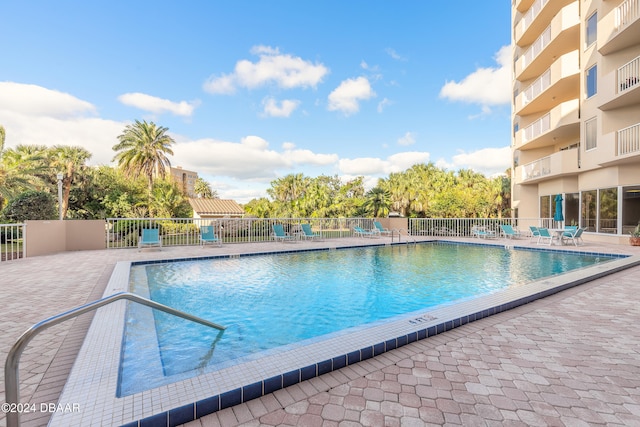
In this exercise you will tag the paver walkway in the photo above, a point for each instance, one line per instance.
(570, 359)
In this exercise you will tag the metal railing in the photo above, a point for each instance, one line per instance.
(537, 128)
(124, 232)
(541, 84)
(626, 12)
(462, 227)
(11, 367)
(629, 75)
(536, 169)
(532, 13)
(628, 140)
(12, 242)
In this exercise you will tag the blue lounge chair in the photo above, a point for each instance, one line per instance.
(207, 235)
(359, 231)
(534, 232)
(280, 235)
(544, 234)
(573, 235)
(509, 232)
(482, 233)
(307, 233)
(150, 237)
(380, 229)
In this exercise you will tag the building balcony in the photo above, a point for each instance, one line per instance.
(560, 83)
(537, 17)
(620, 28)
(559, 126)
(624, 146)
(557, 39)
(523, 5)
(558, 164)
(621, 88)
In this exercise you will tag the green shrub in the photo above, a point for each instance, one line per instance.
(31, 205)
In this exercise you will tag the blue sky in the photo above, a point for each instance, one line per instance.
(255, 90)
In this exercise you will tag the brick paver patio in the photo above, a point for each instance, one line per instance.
(570, 359)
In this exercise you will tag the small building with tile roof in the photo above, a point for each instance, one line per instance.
(216, 208)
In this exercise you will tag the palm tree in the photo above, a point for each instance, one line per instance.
(378, 201)
(143, 150)
(203, 189)
(69, 161)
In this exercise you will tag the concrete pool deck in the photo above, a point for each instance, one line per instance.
(570, 358)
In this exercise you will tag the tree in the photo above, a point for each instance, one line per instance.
(143, 150)
(21, 169)
(69, 161)
(203, 189)
(377, 201)
(168, 201)
(31, 205)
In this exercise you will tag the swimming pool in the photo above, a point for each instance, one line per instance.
(308, 295)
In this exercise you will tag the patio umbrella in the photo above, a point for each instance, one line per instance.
(557, 216)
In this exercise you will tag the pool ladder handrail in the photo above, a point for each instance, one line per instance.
(12, 364)
(400, 230)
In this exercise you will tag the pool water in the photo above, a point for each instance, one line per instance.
(270, 301)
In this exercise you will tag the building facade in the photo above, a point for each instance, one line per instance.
(576, 113)
(185, 179)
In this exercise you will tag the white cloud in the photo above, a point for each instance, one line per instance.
(36, 115)
(485, 86)
(375, 166)
(158, 105)
(383, 104)
(284, 109)
(284, 70)
(39, 101)
(395, 55)
(346, 97)
(408, 138)
(488, 161)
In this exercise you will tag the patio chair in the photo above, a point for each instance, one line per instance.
(150, 237)
(378, 226)
(573, 235)
(359, 231)
(509, 232)
(544, 234)
(207, 235)
(280, 235)
(482, 233)
(307, 233)
(534, 232)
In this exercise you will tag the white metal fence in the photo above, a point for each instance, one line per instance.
(461, 227)
(124, 232)
(12, 244)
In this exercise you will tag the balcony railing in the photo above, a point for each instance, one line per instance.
(537, 128)
(536, 169)
(628, 140)
(532, 13)
(626, 12)
(537, 47)
(541, 84)
(629, 75)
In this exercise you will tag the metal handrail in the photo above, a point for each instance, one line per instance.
(11, 366)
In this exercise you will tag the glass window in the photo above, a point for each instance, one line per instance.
(592, 81)
(608, 211)
(590, 137)
(592, 29)
(545, 207)
(630, 208)
(588, 210)
(572, 209)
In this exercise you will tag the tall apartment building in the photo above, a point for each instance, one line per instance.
(576, 113)
(186, 179)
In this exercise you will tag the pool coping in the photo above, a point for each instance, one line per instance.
(93, 380)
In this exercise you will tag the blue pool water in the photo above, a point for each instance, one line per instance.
(269, 301)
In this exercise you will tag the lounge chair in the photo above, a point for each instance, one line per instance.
(544, 234)
(482, 233)
(359, 231)
(150, 237)
(509, 232)
(573, 235)
(280, 235)
(378, 226)
(207, 235)
(307, 233)
(534, 232)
